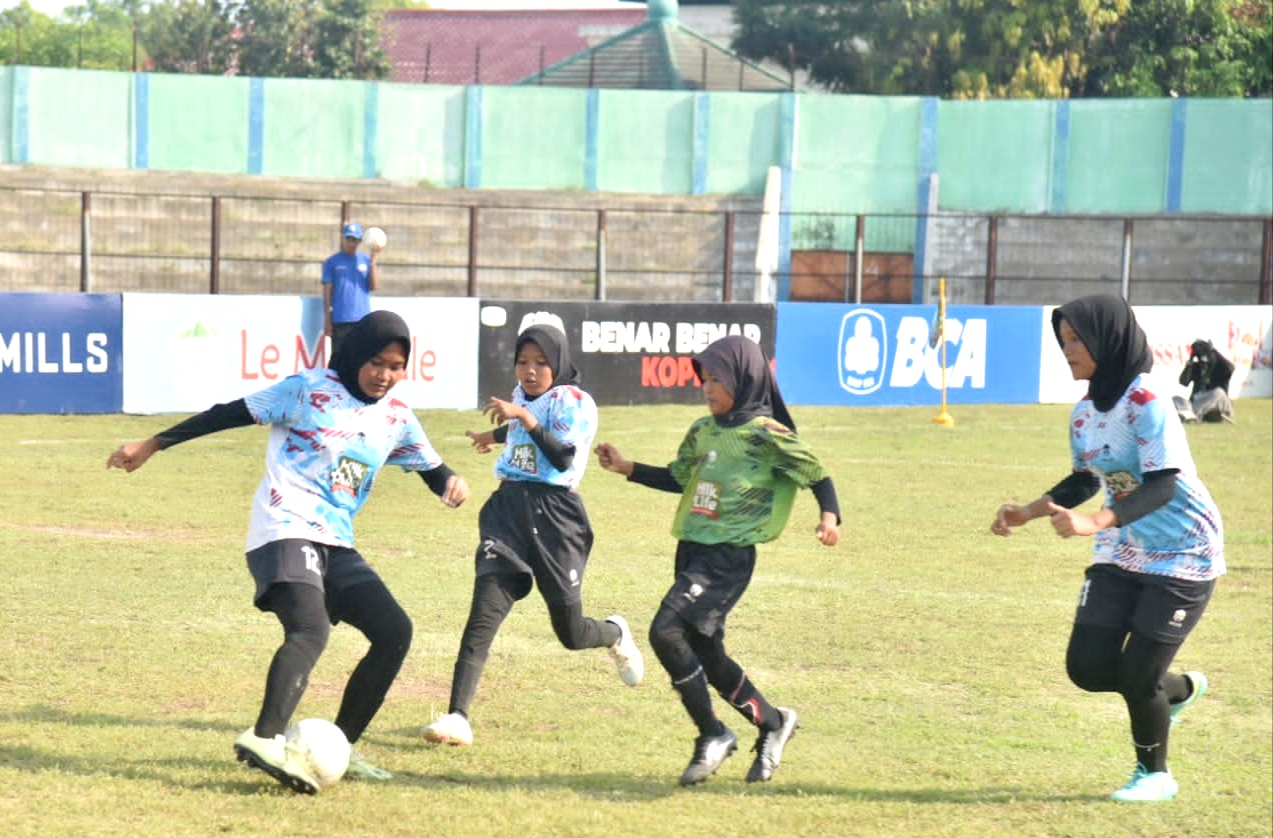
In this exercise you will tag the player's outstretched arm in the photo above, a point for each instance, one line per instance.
(612, 460)
(457, 491)
(133, 455)
(1012, 515)
(482, 440)
(828, 531)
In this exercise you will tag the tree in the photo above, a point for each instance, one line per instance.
(1015, 48)
(276, 37)
(347, 40)
(189, 36)
(1212, 48)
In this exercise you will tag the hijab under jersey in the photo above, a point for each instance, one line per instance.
(1108, 328)
(739, 364)
(365, 341)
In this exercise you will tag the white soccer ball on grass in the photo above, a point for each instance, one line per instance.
(375, 238)
(324, 748)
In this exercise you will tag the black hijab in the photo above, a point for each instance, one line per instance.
(740, 365)
(1108, 328)
(365, 341)
(552, 342)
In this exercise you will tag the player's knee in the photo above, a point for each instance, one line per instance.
(1087, 674)
(667, 636)
(391, 633)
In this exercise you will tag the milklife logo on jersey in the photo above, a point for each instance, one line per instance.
(871, 357)
(348, 475)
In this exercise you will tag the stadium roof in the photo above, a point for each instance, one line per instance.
(564, 43)
(659, 54)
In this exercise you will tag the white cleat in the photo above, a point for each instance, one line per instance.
(625, 654)
(450, 729)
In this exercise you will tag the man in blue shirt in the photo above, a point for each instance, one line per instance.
(349, 277)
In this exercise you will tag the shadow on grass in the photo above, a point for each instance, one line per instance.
(44, 714)
(610, 787)
(619, 787)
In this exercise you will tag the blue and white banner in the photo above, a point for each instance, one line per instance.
(830, 354)
(60, 353)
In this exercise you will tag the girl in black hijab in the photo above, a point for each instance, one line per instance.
(330, 435)
(1159, 544)
(534, 529)
(737, 472)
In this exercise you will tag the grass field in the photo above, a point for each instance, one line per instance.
(925, 656)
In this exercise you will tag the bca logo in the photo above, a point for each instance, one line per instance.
(863, 351)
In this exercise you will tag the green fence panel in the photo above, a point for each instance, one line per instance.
(645, 142)
(854, 154)
(313, 128)
(744, 141)
(534, 138)
(1118, 156)
(994, 156)
(212, 137)
(80, 118)
(6, 115)
(421, 134)
(1228, 157)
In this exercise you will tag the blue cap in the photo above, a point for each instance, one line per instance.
(352, 230)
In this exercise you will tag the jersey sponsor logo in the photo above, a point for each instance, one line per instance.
(870, 357)
(522, 457)
(706, 499)
(348, 475)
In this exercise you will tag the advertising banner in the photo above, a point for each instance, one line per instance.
(60, 353)
(884, 355)
(1243, 334)
(627, 353)
(186, 353)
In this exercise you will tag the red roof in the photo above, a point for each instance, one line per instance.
(443, 46)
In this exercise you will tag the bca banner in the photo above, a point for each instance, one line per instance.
(60, 353)
(829, 354)
(627, 353)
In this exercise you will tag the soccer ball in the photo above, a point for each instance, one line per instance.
(375, 237)
(324, 748)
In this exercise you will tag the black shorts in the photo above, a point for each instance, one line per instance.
(710, 579)
(539, 532)
(1161, 608)
(330, 569)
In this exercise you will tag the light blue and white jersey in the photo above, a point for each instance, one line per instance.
(568, 413)
(1183, 538)
(325, 450)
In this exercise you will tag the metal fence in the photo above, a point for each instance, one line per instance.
(59, 240)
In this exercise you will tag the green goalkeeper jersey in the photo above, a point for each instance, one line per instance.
(739, 482)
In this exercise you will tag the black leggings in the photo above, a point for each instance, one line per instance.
(1101, 659)
(682, 650)
(494, 596)
(696, 661)
(306, 616)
